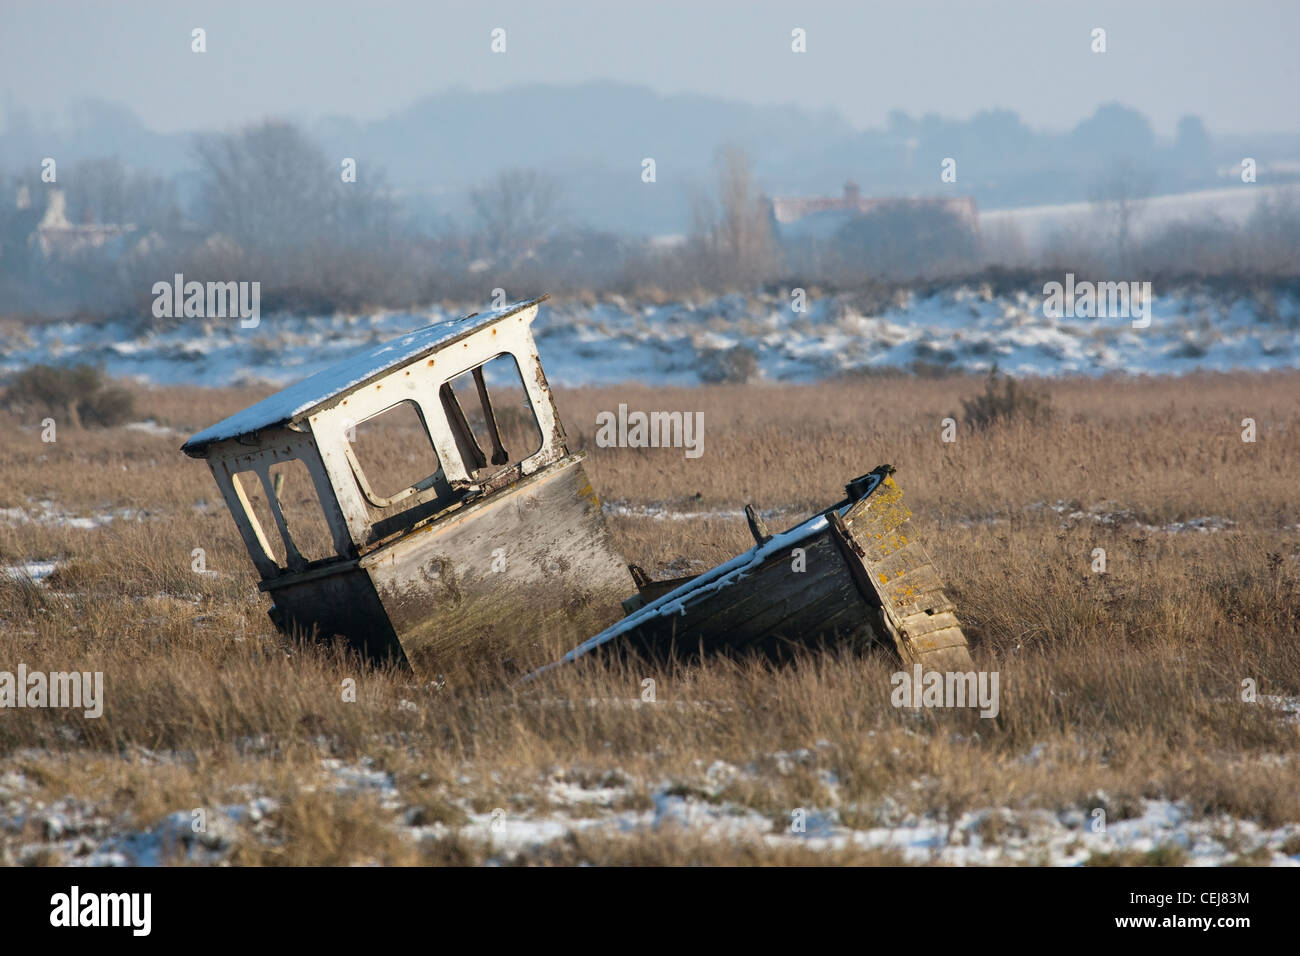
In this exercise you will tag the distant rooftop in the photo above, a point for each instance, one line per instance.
(55, 234)
(790, 209)
(304, 397)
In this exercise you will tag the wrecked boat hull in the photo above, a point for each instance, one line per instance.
(773, 609)
(507, 555)
(853, 574)
(333, 603)
(538, 561)
(479, 559)
(535, 567)
(895, 576)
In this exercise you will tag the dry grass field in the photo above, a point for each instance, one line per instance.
(1121, 691)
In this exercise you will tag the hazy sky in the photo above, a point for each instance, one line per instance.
(1234, 63)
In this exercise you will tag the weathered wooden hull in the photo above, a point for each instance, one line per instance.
(529, 568)
(788, 599)
(853, 574)
(896, 576)
(337, 601)
(536, 564)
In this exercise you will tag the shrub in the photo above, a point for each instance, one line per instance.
(80, 393)
(903, 240)
(1006, 400)
(734, 366)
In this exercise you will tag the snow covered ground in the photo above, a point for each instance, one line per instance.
(77, 833)
(615, 340)
(1231, 204)
(47, 512)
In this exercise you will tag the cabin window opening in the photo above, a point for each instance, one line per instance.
(309, 529)
(261, 517)
(299, 534)
(491, 417)
(393, 454)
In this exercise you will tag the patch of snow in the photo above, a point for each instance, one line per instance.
(30, 570)
(617, 340)
(620, 509)
(362, 777)
(1288, 706)
(982, 837)
(48, 513)
(589, 803)
(151, 427)
(1126, 517)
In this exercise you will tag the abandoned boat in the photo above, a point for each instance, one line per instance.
(852, 573)
(466, 551)
(477, 542)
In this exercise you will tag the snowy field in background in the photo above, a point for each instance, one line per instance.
(966, 328)
(1231, 205)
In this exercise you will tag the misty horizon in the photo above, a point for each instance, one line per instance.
(66, 118)
(1231, 66)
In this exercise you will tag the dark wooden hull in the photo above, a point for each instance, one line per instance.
(853, 574)
(770, 611)
(337, 601)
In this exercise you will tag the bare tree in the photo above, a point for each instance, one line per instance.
(270, 187)
(517, 208)
(735, 230)
(1119, 196)
(265, 186)
(106, 191)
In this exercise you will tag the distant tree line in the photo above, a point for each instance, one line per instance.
(266, 203)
